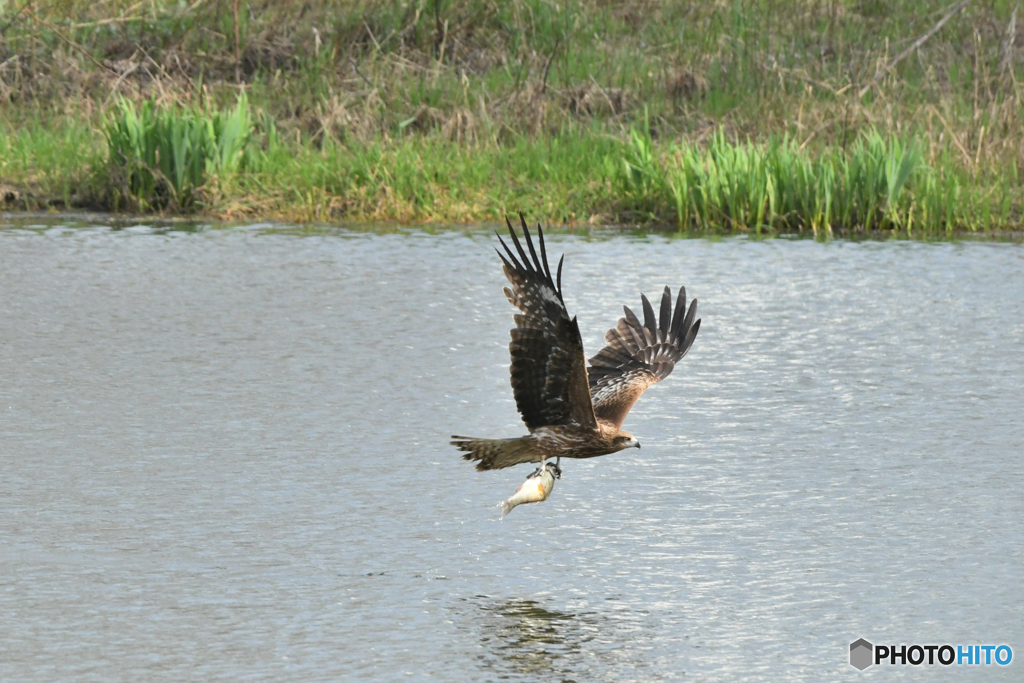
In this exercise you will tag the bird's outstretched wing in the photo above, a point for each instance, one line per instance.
(638, 355)
(549, 371)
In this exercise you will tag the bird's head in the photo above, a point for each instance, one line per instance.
(624, 440)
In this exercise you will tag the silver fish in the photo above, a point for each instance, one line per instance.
(536, 488)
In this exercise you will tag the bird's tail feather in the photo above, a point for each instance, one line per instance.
(494, 454)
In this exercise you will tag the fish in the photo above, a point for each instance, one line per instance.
(535, 489)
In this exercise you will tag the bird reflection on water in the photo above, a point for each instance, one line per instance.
(521, 636)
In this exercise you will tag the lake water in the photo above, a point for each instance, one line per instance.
(224, 456)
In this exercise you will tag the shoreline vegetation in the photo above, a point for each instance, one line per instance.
(818, 117)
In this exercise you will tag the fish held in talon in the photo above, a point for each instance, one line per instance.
(537, 487)
(572, 409)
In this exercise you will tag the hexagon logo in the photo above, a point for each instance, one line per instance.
(861, 654)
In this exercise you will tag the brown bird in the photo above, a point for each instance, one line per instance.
(572, 412)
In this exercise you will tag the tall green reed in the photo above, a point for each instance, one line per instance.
(875, 183)
(160, 157)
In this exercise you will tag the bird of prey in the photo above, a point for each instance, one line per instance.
(572, 411)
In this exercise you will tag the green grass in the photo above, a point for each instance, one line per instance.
(179, 159)
(46, 166)
(727, 116)
(416, 178)
(161, 157)
(877, 183)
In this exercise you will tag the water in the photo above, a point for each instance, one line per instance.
(224, 457)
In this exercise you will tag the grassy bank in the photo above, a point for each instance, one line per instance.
(748, 115)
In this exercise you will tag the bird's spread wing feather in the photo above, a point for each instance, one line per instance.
(549, 371)
(640, 354)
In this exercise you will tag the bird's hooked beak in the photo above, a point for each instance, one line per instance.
(638, 444)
